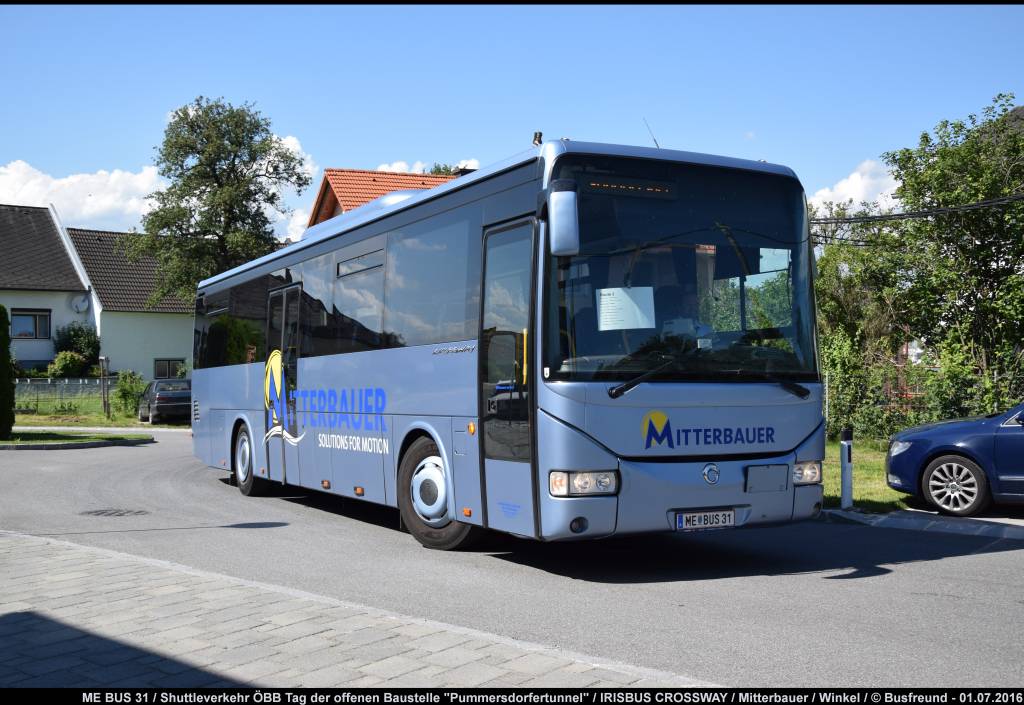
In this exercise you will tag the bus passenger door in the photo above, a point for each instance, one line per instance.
(280, 383)
(505, 378)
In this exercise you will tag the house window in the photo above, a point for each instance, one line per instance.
(30, 324)
(167, 369)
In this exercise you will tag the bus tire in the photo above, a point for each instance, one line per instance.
(242, 465)
(421, 465)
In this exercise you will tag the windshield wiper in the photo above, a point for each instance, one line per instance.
(797, 390)
(669, 361)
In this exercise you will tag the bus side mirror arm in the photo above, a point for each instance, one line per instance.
(563, 218)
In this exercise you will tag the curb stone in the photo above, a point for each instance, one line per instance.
(911, 522)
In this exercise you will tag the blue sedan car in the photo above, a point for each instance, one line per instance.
(961, 466)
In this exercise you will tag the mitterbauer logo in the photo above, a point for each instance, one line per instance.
(279, 418)
(656, 429)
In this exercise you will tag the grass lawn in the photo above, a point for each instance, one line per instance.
(869, 489)
(87, 419)
(44, 437)
(80, 411)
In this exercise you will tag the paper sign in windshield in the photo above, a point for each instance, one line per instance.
(622, 309)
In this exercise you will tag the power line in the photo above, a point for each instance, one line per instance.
(979, 205)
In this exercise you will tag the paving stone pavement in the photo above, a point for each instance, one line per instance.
(73, 615)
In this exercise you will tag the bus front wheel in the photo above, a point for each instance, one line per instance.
(242, 462)
(423, 494)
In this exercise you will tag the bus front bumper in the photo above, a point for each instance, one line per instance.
(651, 495)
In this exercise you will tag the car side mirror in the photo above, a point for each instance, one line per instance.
(563, 218)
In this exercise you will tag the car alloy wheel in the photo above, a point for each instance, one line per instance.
(955, 485)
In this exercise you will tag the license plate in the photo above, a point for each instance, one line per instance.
(696, 521)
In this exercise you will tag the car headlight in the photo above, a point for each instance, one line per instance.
(575, 484)
(807, 473)
(898, 447)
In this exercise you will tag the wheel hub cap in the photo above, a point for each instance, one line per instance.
(429, 492)
(953, 487)
(242, 458)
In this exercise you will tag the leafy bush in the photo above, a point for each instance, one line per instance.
(130, 386)
(6, 377)
(67, 364)
(66, 407)
(80, 338)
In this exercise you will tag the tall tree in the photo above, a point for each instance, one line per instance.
(228, 172)
(967, 266)
(442, 169)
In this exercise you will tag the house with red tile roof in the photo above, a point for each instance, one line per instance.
(344, 189)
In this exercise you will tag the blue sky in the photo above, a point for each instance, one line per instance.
(821, 89)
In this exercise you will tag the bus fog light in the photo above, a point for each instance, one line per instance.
(807, 473)
(577, 484)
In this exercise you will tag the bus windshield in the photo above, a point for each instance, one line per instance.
(700, 271)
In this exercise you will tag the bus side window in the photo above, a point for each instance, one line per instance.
(359, 301)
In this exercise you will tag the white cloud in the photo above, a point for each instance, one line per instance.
(114, 200)
(419, 167)
(416, 168)
(297, 223)
(309, 166)
(868, 182)
(290, 226)
(117, 199)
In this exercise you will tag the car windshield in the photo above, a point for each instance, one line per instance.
(706, 267)
(182, 386)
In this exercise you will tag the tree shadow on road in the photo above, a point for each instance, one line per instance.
(40, 651)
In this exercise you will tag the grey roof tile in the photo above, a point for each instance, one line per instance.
(32, 255)
(120, 284)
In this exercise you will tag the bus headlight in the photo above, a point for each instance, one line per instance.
(807, 473)
(576, 484)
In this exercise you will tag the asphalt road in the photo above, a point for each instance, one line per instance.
(806, 604)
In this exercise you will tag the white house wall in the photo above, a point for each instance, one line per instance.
(133, 341)
(61, 313)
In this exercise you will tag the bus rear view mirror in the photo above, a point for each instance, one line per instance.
(563, 218)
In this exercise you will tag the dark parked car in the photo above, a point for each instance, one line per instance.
(166, 399)
(960, 466)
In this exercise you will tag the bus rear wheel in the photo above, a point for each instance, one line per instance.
(423, 494)
(242, 464)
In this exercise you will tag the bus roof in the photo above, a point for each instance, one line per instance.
(358, 217)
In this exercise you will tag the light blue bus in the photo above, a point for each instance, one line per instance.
(584, 340)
